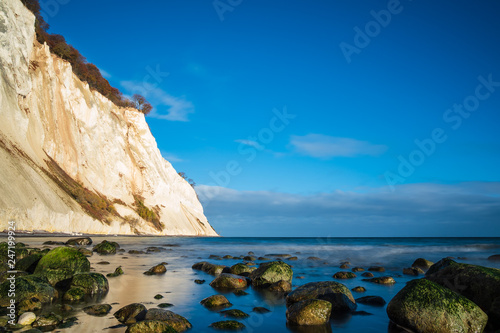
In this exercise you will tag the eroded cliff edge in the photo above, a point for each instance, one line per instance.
(71, 160)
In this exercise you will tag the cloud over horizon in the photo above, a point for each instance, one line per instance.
(324, 146)
(166, 106)
(425, 209)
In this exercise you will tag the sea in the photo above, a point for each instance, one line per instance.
(177, 286)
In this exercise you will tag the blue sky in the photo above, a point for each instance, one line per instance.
(325, 118)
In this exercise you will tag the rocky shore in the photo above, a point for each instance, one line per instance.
(446, 296)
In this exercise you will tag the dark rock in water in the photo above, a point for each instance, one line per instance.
(86, 284)
(53, 243)
(216, 301)
(367, 274)
(424, 306)
(165, 305)
(228, 325)
(47, 320)
(241, 268)
(343, 266)
(240, 292)
(271, 272)
(234, 313)
(495, 257)
(278, 255)
(209, 268)
(214, 256)
(156, 270)
(178, 322)
(131, 313)
(80, 241)
(228, 281)
(358, 269)
(199, 281)
(106, 247)
(371, 300)
(150, 326)
(313, 258)
(227, 256)
(31, 292)
(86, 252)
(344, 275)
(136, 252)
(158, 296)
(336, 293)
(381, 280)
(259, 309)
(414, 271)
(280, 287)
(61, 263)
(265, 258)
(291, 258)
(361, 313)
(28, 264)
(97, 310)
(309, 312)
(359, 289)
(376, 269)
(422, 263)
(118, 271)
(249, 258)
(103, 263)
(153, 249)
(479, 284)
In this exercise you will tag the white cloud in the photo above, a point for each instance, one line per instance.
(251, 143)
(166, 106)
(105, 74)
(324, 146)
(466, 209)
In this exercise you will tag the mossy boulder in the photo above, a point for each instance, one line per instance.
(31, 292)
(156, 270)
(344, 275)
(413, 271)
(234, 313)
(98, 310)
(106, 248)
(334, 292)
(388, 280)
(47, 321)
(479, 284)
(86, 252)
(131, 313)
(118, 271)
(424, 306)
(209, 268)
(82, 241)
(422, 263)
(178, 322)
(150, 326)
(86, 284)
(281, 287)
(359, 289)
(229, 281)
(216, 302)
(271, 272)
(228, 325)
(62, 263)
(240, 268)
(28, 263)
(309, 312)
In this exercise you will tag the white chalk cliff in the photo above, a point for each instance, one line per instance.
(72, 161)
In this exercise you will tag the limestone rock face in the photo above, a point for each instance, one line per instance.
(71, 160)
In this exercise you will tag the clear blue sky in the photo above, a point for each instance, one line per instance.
(300, 118)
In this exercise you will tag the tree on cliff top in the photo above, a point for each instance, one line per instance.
(85, 71)
(141, 104)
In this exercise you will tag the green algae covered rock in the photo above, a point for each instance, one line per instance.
(228, 325)
(62, 263)
(216, 302)
(271, 272)
(178, 322)
(150, 326)
(424, 306)
(106, 247)
(309, 312)
(97, 309)
(334, 292)
(240, 268)
(131, 313)
(86, 284)
(477, 283)
(234, 313)
(228, 281)
(31, 292)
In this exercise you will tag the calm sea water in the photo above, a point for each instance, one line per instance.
(178, 288)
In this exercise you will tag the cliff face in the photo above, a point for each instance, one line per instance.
(72, 161)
